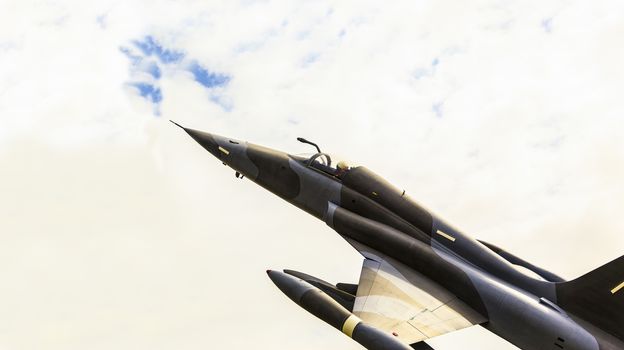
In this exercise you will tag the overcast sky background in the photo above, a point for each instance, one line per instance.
(119, 231)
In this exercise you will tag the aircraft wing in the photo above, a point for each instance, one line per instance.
(397, 299)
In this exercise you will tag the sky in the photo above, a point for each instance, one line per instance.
(118, 231)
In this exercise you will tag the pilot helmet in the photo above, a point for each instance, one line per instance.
(342, 165)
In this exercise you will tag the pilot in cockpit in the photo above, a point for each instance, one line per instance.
(341, 168)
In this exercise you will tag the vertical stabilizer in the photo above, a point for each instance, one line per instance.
(597, 297)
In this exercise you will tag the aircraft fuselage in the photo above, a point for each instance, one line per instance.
(376, 217)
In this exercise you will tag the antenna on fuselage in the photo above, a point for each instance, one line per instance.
(301, 139)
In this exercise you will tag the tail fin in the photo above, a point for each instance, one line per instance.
(597, 297)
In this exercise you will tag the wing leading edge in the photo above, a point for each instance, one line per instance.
(399, 300)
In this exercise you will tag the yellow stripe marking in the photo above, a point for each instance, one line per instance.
(375, 194)
(446, 235)
(224, 150)
(350, 324)
(617, 288)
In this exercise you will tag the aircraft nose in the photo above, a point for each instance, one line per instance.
(205, 139)
(229, 151)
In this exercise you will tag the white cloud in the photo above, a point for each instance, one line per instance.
(122, 232)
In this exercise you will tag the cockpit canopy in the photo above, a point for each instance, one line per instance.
(326, 163)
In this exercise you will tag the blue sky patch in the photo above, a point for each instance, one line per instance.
(149, 91)
(547, 25)
(154, 70)
(310, 59)
(207, 78)
(134, 59)
(222, 101)
(420, 73)
(101, 20)
(149, 61)
(150, 47)
(436, 108)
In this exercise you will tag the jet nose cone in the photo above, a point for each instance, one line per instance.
(230, 152)
(205, 139)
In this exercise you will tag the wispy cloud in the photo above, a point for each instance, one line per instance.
(149, 46)
(428, 71)
(101, 20)
(310, 59)
(149, 59)
(437, 109)
(149, 91)
(445, 99)
(547, 25)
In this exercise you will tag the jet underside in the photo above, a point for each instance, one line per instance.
(421, 277)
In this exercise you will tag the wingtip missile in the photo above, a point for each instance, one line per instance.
(330, 311)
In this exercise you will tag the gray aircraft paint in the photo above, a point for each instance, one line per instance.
(315, 190)
(369, 212)
(507, 306)
(237, 157)
(488, 260)
(413, 253)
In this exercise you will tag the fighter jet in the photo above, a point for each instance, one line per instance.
(420, 276)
